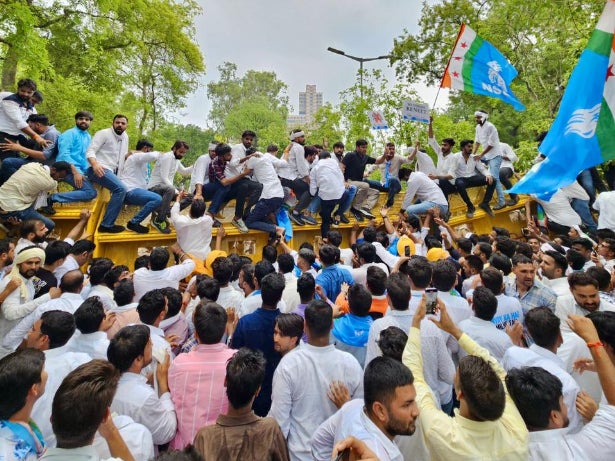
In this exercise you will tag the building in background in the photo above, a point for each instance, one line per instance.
(310, 101)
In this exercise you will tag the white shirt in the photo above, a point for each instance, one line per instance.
(517, 357)
(229, 297)
(572, 349)
(200, 172)
(164, 170)
(233, 168)
(67, 302)
(385, 256)
(423, 188)
(567, 305)
(359, 275)
(327, 180)
(299, 397)
(59, 362)
(393, 318)
(443, 161)
(135, 398)
(298, 166)
(352, 420)
(137, 437)
(460, 167)
(87, 453)
(509, 309)
(487, 135)
(290, 296)
(193, 235)
(25, 185)
(108, 149)
(145, 279)
(487, 335)
(94, 344)
(15, 307)
(596, 441)
(510, 155)
(424, 163)
(459, 310)
(104, 293)
(559, 285)
(69, 264)
(605, 204)
(346, 255)
(134, 173)
(253, 301)
(264, 172)
(559, 210)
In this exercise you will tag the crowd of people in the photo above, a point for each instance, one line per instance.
(409, 341)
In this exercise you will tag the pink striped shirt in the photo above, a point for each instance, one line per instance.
(196, 382)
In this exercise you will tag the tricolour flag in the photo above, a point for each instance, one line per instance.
(476, 66)
(583, 133)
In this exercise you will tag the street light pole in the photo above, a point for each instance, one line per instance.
(360, 61)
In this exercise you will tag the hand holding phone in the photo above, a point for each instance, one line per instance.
(432, 300)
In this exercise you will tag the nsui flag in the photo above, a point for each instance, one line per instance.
(476, 66)
(583, 133)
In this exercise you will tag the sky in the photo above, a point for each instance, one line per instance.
(290, 37)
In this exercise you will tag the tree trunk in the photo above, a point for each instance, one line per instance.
(9, 69)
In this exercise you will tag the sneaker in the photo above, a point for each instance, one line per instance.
(499, 206)
(217, 223)
(309, 219)
(115, 229)
(368, 214)
(239, 224)
(357, 214)
(512, 201)
(344, 219)
(487, 209)
(49, 208)
(136, 227)
(297, 219)
(162, 226)
(470, 213)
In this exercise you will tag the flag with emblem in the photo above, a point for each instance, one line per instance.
(476, 66)
(583, 133)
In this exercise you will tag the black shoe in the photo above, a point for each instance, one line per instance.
(217, 223)
(357, 214)
(49, 208)
(487, 209)
(297, 219)
(368, 214)
(512, 201)
(344, 219)
(499, 207)
(136, 227)
(115, 229)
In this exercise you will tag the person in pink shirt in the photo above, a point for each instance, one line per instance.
(196, 379)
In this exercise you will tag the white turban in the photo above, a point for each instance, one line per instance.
(212, 146)
(481, 114)
(23, 256)
(296, 135)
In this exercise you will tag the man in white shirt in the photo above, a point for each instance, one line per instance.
(158, 275)
(20, 302)
(264, 171)
(134, 176)
(70, 299)
(553, 267)
(200, 171)
(152, 310)
(327, 182)
(560, 213)
(507, 170)
(487, 137)
(297, 175)
(444, 152)
(50, 334)
(302, 379)
(468, 171)
(481, 329)
(92, 324)
(544, 329)
(389, 409)
(78, 255)
(605, 204)
(161, 181)
(290, 296)
(366, 253)
(105, 155)
(424, 189)
(583, 299)
(130, 351)
(509, 309)
(193, 230)
(222, 269)
(87, 391)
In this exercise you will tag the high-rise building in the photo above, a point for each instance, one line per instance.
(309, 102)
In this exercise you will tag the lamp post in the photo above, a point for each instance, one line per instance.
(360, 61)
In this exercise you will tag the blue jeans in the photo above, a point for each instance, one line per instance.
(346, 200)
(29, 213)
(314, 204)
(217, 193)
(393, 188)
(118, 193)
(423, 207)
(9, 166)
(587, 183)
(494, 170)
(582, 209)
(83, 194)
(259, 216)
(149, 201)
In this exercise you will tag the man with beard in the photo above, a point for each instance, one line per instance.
(21, 301)
(389, 173)
(297, 177)
(161, 182)
(584, 298)
(444, 152)
(106, 157)
(388, 409)
(530, 292)
(14, 111)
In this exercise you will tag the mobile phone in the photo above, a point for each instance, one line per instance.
(344, 454)
(432, 297)
(407, 250)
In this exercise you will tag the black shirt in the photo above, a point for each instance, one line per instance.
(355, 165)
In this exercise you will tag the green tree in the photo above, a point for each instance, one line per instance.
(327, 125)
(232, 91)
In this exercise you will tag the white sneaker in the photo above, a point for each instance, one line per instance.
(239, 224)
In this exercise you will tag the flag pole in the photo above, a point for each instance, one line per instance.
(448, 64)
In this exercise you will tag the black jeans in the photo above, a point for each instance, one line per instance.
(461, 184)
(505, 174)
(326, 208)
(301, 190)
(240, 190)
